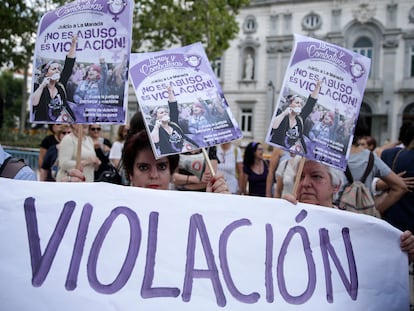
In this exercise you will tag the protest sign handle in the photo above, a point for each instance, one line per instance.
(298, 174)
(79, 149)
(210, 166)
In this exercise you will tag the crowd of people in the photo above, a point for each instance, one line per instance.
(231, 170)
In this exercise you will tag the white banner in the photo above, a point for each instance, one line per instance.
(97, 246)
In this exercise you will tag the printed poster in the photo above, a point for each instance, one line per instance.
(182, 102)
(80, 69)
(319, 101)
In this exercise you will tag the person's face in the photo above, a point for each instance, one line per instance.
(149, 172)
(64, 132)
(162, 113)
(363, 143)
(197, 110)
(315, 185)
(259, 151)
(296, 105)
(53, 68)
(92, 74)
(327, 119)
(95, 131)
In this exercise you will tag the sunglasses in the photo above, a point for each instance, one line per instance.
(64, 133)
(95, 129)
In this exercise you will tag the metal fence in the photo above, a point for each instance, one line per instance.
(29, 155)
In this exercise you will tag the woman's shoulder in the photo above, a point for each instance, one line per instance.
(48, 141)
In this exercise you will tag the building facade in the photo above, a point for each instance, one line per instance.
(252, 70)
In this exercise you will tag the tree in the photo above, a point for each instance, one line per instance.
(11, 98)
(18, 24)
(162, 24)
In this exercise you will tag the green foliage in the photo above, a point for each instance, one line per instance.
(17, 24)
(11, 94)
(162, 24)
(29, 139)
(11, 90)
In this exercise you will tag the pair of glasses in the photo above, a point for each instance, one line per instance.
(95, 129)
(68, 132)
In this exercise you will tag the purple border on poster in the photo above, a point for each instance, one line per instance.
(181, 83)
(319, 124)
(94, 87)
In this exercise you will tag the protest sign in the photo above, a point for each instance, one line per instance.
(182, 102)
(77, 246)
(318, 122)
(83, 80)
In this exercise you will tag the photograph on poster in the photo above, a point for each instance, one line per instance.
(81, 64)
(319, 101)
(182, 102)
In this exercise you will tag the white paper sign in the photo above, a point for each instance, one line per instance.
(98, 246)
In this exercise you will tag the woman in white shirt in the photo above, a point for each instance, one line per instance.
(115, 154)
(67, 154)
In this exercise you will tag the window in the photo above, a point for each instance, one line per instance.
(311, 21)
(364, 47)
(216, 65)
(250, 24)
(412, 62)
(246, 121)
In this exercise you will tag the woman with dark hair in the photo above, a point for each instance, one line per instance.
(49, 99)
(141, 167)
(47, 142)
(255, 171)
(143, 170)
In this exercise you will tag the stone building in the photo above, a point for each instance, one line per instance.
(380, 29)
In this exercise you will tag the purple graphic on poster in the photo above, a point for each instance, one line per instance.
(80, 69)
(181, 100)
(319, 101)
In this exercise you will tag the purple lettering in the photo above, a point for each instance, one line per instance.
(351, 285)
(310, 288)
(147, 291)
(197, 224)
(250, 298)
(270, 296)
(129, 262)
(72, 277)
(41, 263)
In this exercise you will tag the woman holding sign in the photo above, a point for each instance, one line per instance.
(67, 155)
(49, 100)
(288, 126)
(166, 133)
(143, 170)
(319, 183)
